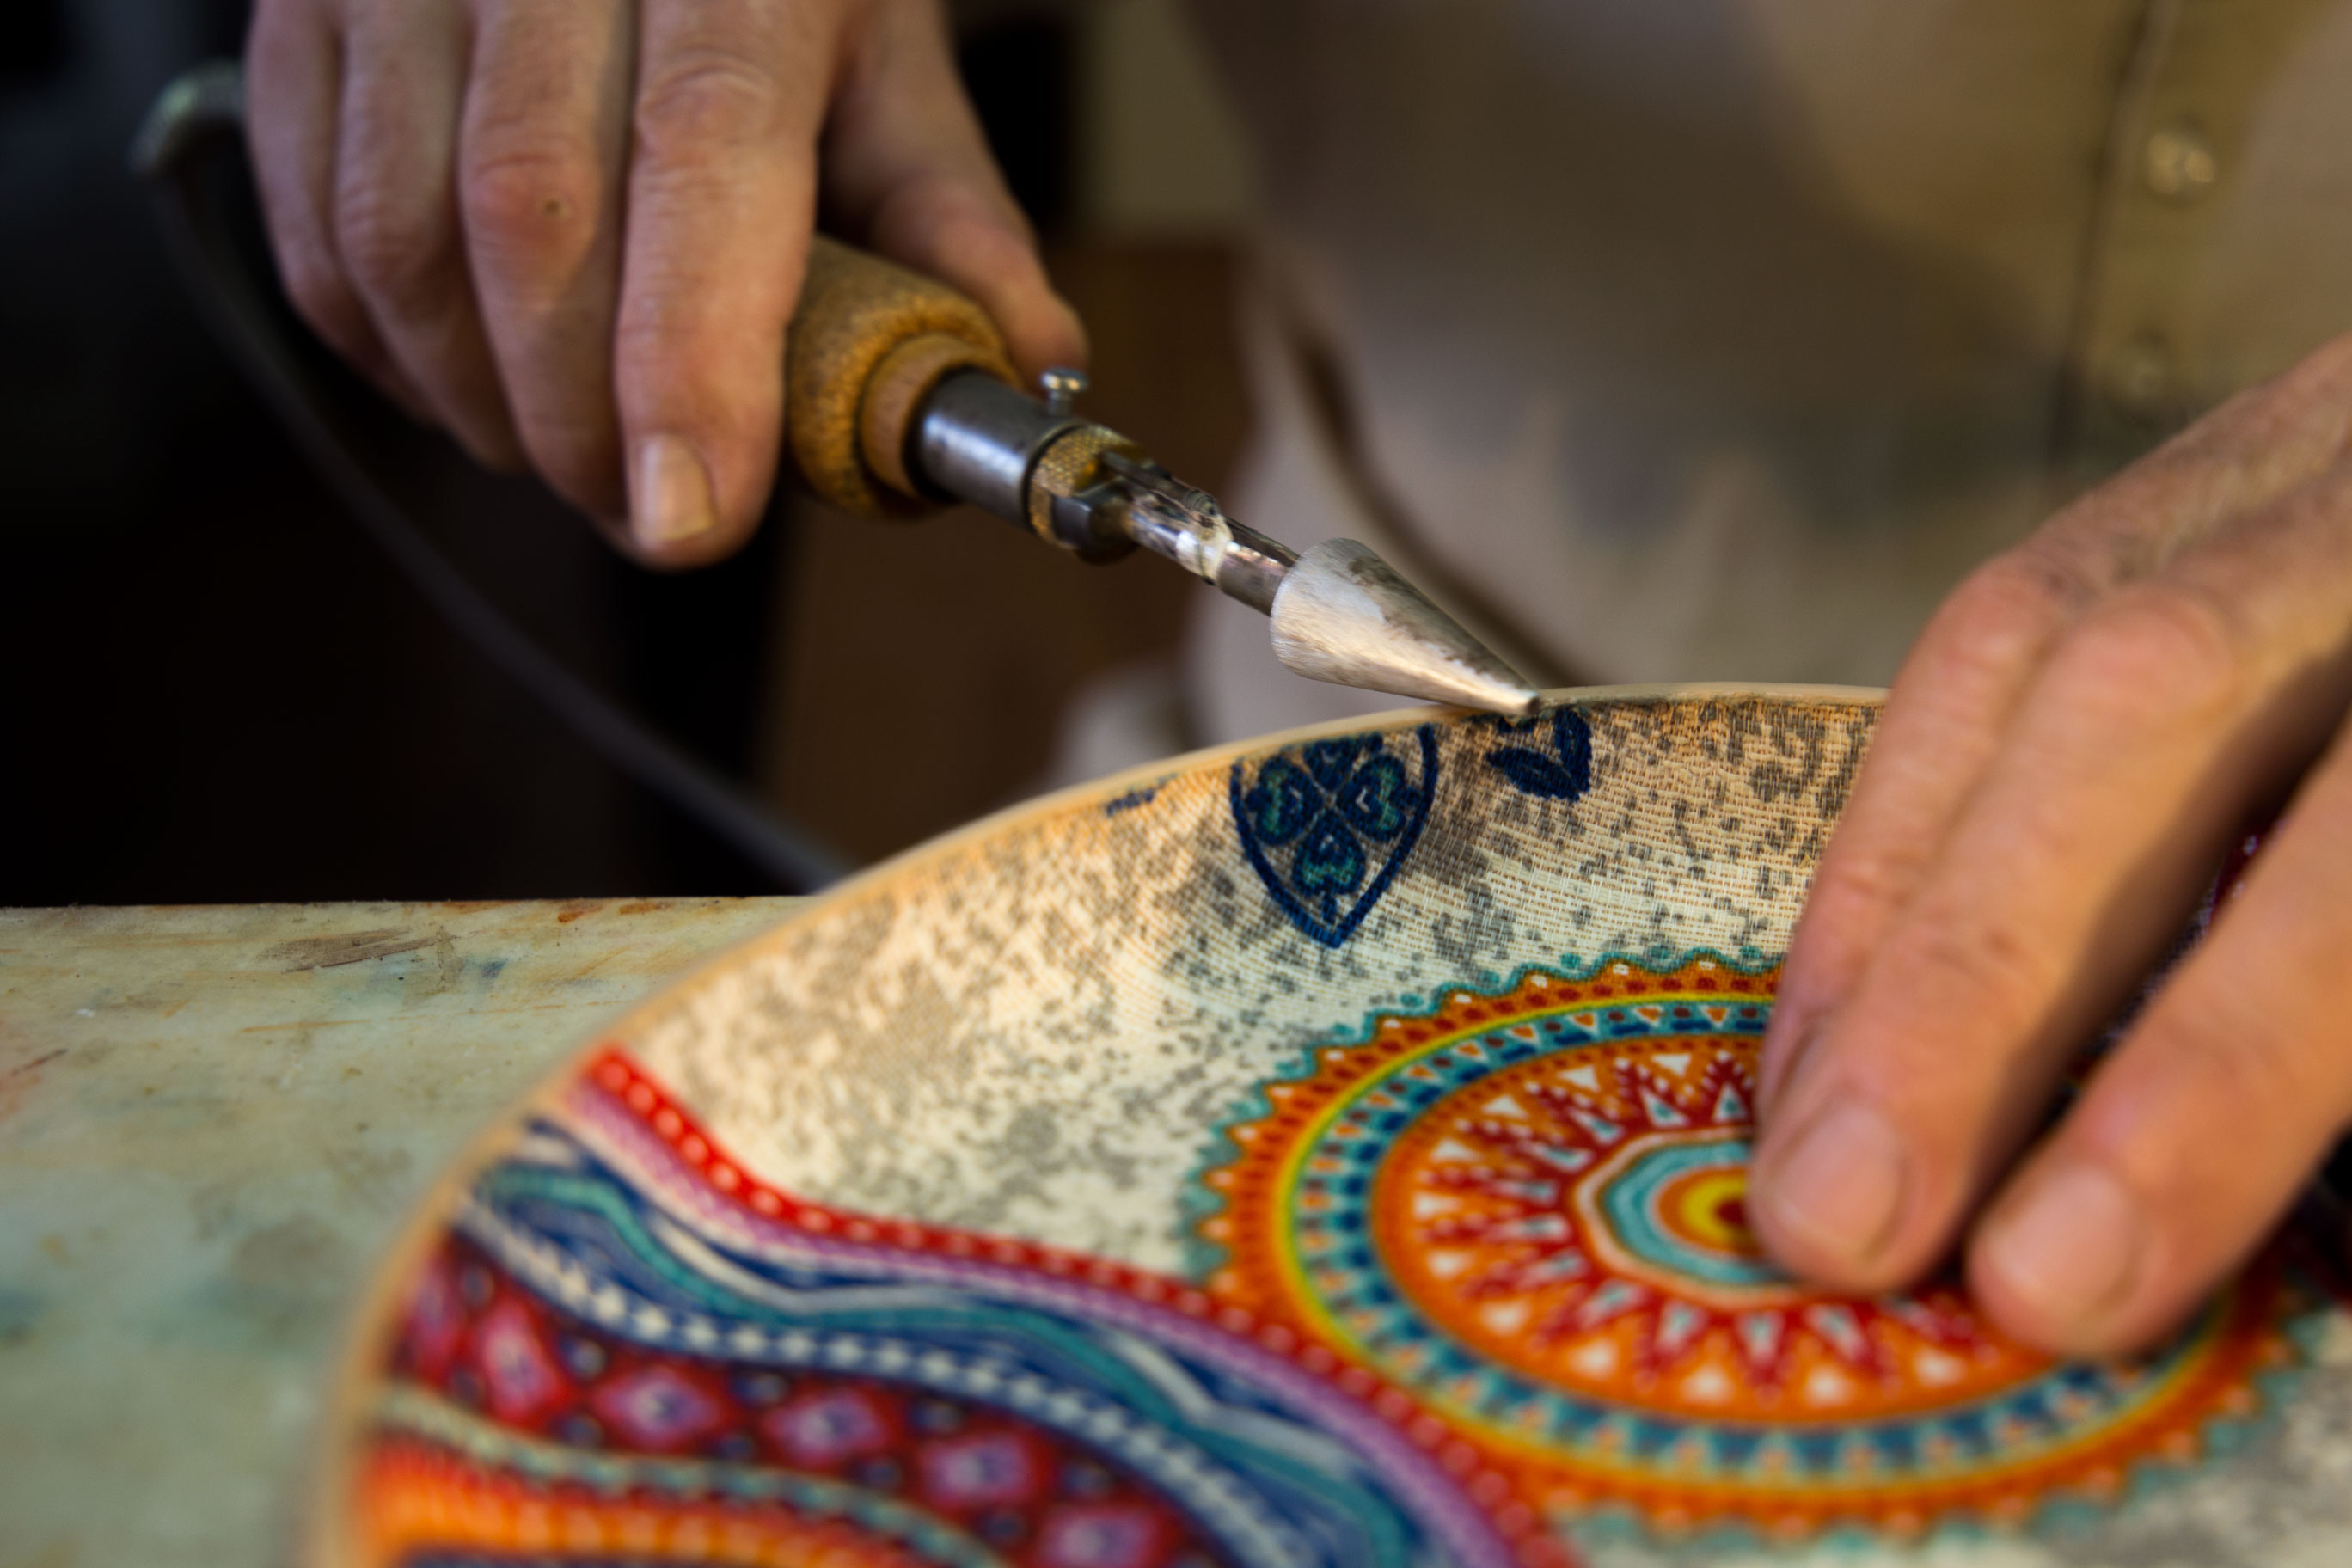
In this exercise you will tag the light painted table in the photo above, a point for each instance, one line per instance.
(212, 1121)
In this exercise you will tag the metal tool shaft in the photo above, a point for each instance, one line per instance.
(1340, 613)
(978, 441)
(1186, 524)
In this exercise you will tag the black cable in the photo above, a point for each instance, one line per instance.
(202, 112)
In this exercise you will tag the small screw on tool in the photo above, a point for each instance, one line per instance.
(1063, 388)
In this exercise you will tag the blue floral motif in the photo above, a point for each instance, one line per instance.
(1563, 774)
(1328, 824)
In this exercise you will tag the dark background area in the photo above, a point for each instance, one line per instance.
(213, 687)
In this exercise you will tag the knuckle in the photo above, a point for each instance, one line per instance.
(392, 248)
(532, 197)
(1870, 879)
(657, 343)
(2253, 1074)
(2032, 586)
(2163, 646)
(705, 98)
(1978, 957)
(2009, 606)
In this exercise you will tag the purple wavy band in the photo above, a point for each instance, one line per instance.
(621, 1138)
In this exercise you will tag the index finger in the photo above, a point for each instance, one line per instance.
(721, 198)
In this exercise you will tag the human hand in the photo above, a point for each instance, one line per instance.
(573, 231)
(2075, 741)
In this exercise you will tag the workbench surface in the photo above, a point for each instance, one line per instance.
(212, 1121)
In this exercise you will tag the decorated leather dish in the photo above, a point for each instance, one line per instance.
(1325, 1152)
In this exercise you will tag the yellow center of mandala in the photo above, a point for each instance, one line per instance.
(1710, 1208)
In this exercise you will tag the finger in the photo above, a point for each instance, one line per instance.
(293, 63)
(1945, 718)
(1953, 700)
(396, 213)
(540, 154)
(908, 168)
(721, 198)
(2156, 723)
(2190, 1142)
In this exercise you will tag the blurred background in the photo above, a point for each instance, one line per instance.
(213, 687)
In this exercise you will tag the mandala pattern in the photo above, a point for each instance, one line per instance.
(1528, 1209)
(1326, 826)
(625, 1349)
(1475, 1278)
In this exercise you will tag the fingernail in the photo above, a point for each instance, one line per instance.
(673, 494)
(2068, 1250)
(1840, 1187)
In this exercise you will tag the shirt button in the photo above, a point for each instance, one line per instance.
(2140, 375)
(2179, 163)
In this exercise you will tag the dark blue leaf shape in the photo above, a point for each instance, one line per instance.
(1533, 772)
(1327, 825)
(1280, 802)
(1330, 863)
(1573, 736)
(1328, 761)
(1376, 800)
(1566, 775)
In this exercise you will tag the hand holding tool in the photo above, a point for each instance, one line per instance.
(899, 398)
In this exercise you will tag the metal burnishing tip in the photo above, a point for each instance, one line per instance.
(1344, 614)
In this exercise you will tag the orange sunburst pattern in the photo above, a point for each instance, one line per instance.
(1529, 1210)
(1583, 1219)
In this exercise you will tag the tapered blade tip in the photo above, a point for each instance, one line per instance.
(1344, 614)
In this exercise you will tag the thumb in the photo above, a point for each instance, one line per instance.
(908, 169)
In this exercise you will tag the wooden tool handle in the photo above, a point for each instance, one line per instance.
(868, 343)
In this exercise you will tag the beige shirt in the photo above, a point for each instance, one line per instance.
(1717, 339)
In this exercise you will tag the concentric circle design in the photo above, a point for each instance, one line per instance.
(1676, 1207)
(1530, 1209)
(1575, 1216)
